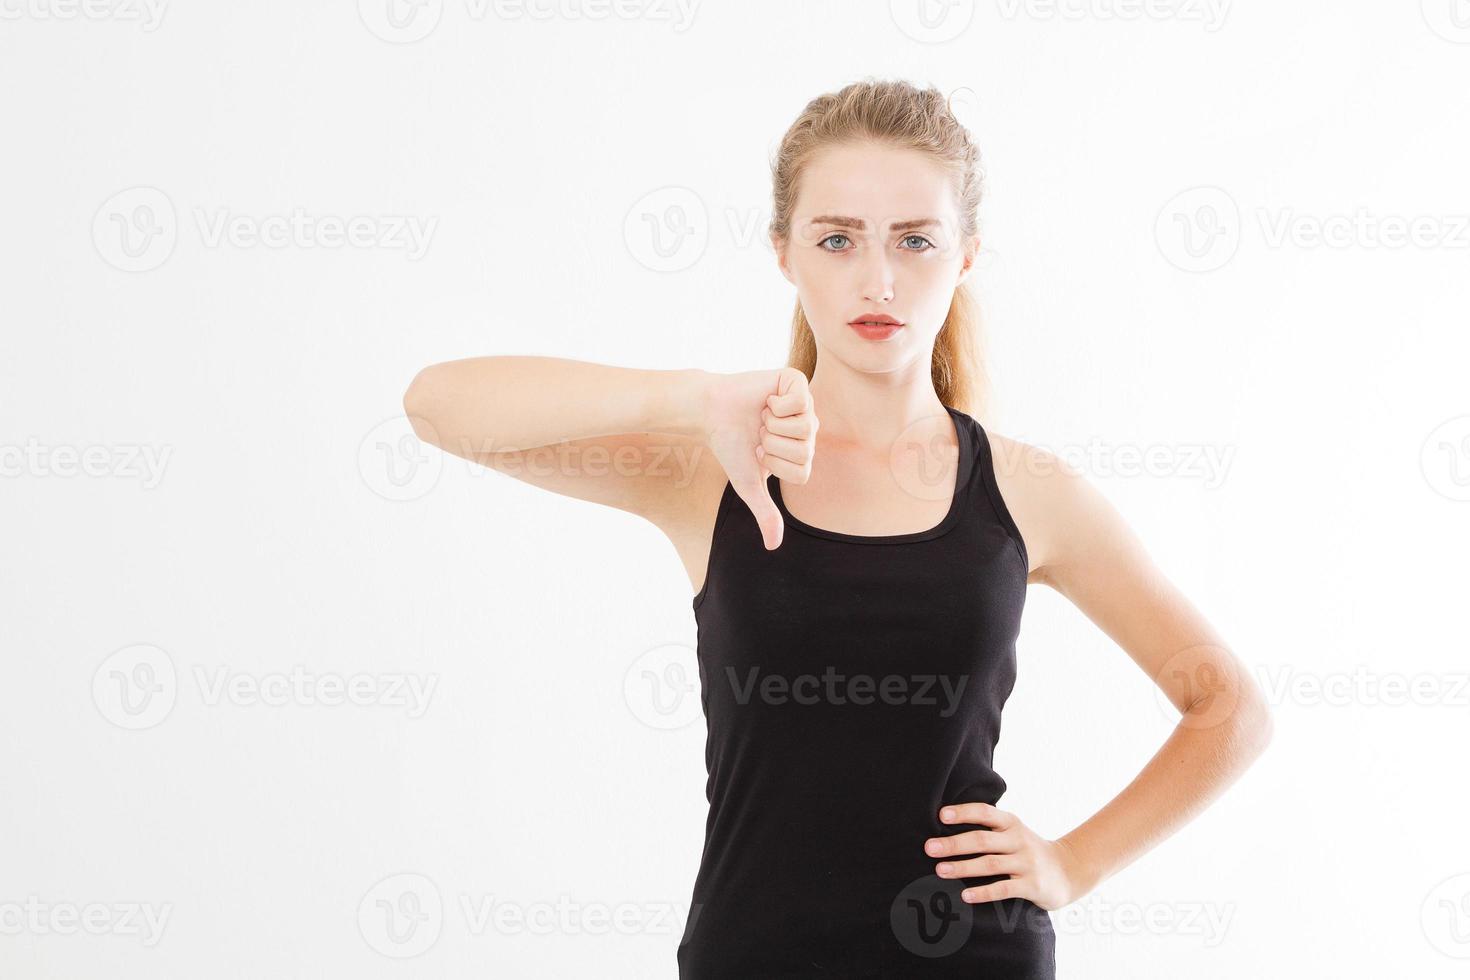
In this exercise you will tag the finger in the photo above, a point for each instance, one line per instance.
(801, 426)
(791, 403)
(997, 890)
(981, 813)
(792, 395)
(798, 451)
(973, 842)
(786, 470)
(980, 867)
(757, 497)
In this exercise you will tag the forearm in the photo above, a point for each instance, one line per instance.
(522, 402)
(1200, 759)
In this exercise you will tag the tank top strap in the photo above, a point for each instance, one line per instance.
(990, 499)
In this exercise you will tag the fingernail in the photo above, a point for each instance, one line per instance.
(945, 869)
(947, 814)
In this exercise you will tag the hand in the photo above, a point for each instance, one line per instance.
(1046, 872)
(759, 423)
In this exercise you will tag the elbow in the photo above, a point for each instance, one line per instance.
(1255, 726)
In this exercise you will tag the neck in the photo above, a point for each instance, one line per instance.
(870, 411)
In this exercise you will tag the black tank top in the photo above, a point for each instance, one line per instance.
(851, 686)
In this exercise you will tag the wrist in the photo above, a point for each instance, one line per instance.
(681, 403)
(1084, 873)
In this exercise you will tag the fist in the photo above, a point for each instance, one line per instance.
(758, 423)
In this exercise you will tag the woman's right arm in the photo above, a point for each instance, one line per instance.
(617, 436)
(657, 443)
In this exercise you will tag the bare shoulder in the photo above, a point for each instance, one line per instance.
(1055, 507)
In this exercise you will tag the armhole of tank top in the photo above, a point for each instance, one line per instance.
(986, 463)
(714, 540)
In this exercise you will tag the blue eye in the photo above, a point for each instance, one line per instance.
(923, 246)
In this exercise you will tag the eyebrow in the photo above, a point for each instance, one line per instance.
(843, 221)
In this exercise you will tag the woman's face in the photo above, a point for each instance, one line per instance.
(875, 230)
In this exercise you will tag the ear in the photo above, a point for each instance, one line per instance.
(779, 247)
(972, 251)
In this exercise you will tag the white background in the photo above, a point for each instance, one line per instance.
(286, 522)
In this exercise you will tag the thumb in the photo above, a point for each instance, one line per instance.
(757, 496)
(792, 393)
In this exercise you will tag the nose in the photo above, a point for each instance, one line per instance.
(877, 277)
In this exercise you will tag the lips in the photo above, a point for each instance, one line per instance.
(875, 320)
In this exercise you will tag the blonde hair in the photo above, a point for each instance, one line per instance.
(902, 115)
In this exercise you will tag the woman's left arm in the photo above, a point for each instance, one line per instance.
(1079, 545)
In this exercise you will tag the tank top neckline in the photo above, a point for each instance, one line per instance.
(957, 503)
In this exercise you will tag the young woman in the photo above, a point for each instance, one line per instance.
(858, 587)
